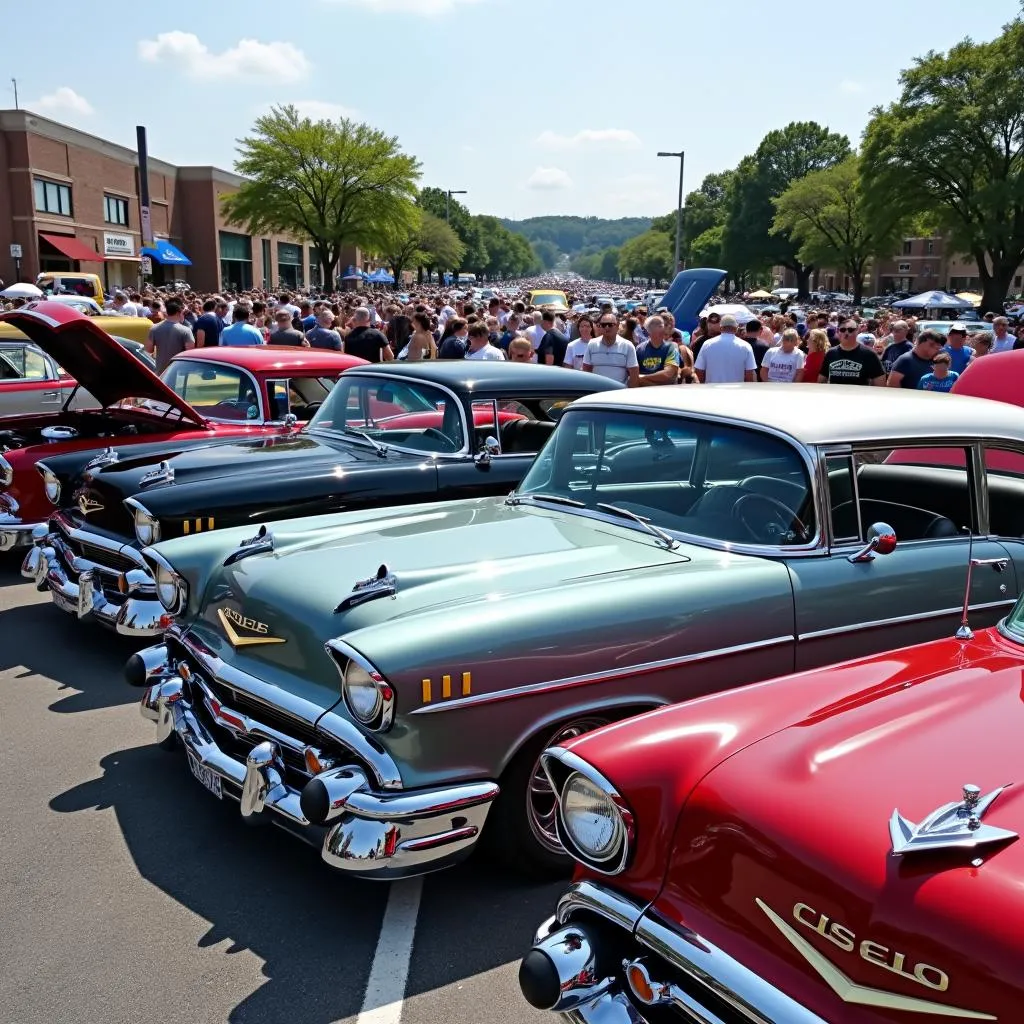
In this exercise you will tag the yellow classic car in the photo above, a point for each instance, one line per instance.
(135, 328)
(548, 297)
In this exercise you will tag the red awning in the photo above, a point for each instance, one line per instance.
(73, 248)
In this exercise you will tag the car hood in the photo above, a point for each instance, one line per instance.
(104, 367)
(783, 855)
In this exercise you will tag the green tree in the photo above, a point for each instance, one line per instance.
(951, 148)
(608, 264)
(435, 201)
(784, 156)
(705, 208)
(336, 183)
(548, 253)
(439, 245)
(706, 248)
(647, 256)
(824, 214)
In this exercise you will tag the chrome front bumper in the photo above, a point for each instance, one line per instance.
(14, 534)
(364, 829)
(89, 589)
(577, 968)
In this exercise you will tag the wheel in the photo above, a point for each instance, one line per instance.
(521, 830)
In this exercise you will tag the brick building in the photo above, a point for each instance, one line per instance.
(71, 201)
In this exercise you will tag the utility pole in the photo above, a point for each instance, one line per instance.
(681, 156)
(14, 82)
(448, 202)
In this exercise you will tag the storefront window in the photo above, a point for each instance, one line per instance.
(235, 261)
(289, 265)
(268, 280)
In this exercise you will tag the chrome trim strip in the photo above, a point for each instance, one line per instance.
(900, 619)
(596, 899)
(569, 682)
(743, 991)
(336, 649)
(97, 540)
(374, 755)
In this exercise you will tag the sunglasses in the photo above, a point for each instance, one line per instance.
(714, 320)
(847, 330)
(609, 323)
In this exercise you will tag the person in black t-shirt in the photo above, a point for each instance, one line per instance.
(365, 341)
(752, 336)
(553, 343)
(849, 362)
(913, 365)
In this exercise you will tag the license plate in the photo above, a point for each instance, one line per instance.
(209, 778)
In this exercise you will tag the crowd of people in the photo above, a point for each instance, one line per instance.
(639, 347)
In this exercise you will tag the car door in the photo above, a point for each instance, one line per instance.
(856, 602)
(28, 381)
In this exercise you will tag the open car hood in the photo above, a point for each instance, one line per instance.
(107, 370)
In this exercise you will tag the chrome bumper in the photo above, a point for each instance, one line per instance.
(573, 970)
(366, 831)
(14, 534)
(88, 589)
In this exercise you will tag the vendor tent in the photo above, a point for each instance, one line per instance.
(932, 300)
(381, 276)
(762, 294)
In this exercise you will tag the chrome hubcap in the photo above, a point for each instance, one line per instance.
(541, 802)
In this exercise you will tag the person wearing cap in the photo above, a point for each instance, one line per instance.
(960, 353)
(724, 358)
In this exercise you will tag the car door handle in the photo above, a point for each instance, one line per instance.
(51, 396)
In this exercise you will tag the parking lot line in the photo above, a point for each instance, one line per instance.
(385, 988)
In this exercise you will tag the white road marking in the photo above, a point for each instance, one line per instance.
(385, 989)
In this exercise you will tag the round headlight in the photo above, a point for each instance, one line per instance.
(51, 486)
(362, 694)
(591, 819)
(171, 589)
(147, 529)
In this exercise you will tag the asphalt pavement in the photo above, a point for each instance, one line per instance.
(130, 894)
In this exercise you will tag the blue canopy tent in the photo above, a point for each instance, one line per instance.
(381, 276)
(166, 254)
(932, 300)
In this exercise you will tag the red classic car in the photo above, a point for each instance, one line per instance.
(203, 396)
(836, 846)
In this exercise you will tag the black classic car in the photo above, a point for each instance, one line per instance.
(388, 434)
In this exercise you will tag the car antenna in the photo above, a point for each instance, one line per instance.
(998, 564)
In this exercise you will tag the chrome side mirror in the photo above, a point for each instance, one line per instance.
(881, 541)
(488, 450)
(290, 420)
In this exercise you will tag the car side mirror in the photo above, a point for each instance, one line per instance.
(488, 450)
(290, 420)
(881, 541)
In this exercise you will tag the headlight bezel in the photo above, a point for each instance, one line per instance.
(51, 484)
(143, 520)
(378, 716)
(562, 767)
(171, 587)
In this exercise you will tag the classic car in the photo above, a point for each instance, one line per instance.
(394, 675)
(835, 846)
(389, 434)
(135, 328)
(204, 396)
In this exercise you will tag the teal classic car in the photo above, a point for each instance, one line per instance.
(384, 681)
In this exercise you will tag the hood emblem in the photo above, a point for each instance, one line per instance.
(873, 953)
(384, 584)
(163, 474)
(954, 826)
(87, 505)
(253, 631)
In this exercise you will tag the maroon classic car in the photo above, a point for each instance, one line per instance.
(837, 846)
(204, 395)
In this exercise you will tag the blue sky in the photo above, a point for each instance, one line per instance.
(533, 107)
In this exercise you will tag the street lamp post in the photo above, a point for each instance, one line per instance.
(448, 202)
(679, 206)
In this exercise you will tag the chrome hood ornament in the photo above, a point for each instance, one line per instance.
(106, 458)
(163, 474)
(384, 584)
(954, 826)
(262, 542)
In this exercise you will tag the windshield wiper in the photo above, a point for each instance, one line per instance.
(666, 538)
(380, 449)
(555, 499)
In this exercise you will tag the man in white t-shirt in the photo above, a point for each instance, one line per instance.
(782, 364)
(725, 359)
(480, 346)
(611, 356)
(536, 332)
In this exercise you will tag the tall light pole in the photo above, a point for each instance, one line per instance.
(679, 206)
(448, 202)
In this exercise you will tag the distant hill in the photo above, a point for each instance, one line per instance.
(574, 235)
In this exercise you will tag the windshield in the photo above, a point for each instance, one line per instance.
(547, 299)
(406, 414)
(697, 477)
(1014, 622)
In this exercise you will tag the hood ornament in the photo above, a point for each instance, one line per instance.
(163, 474)
(106, 457)
(954, 826)
(384, 584)
(262, 542)
(86, 505)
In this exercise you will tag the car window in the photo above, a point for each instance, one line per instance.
(1004, 473)
(414, 415)
(24, 363)
(923, 493)
(699, 477)
(8, 369)
(220, 392)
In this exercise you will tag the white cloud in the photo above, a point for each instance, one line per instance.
(248, 58)
(606, 137)
(62, 101)
(548, 179)
(321, 110)
(848, 87)
(424, 8)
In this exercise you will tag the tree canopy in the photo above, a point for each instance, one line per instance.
(649, 256)
(950, 148)
(336, 183)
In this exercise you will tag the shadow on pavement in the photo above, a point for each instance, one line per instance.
(262, 890)
(10, 569)
(74, 654)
